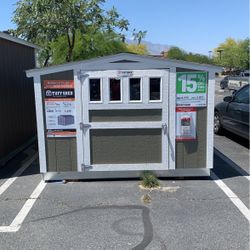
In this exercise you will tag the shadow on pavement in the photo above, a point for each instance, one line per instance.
(9, 169)
(225, 168)
(242, 141)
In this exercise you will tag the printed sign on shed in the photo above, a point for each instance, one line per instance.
(185, 124)
(191, 89)
(60, 108)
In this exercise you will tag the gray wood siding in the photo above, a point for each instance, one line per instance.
(125, 115)
(192, 154)
(60, 152)
(125, 146)
(17, 105)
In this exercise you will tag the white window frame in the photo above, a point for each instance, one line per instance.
(149, 89)
(101, 91)
(121, 92)
(135, 101)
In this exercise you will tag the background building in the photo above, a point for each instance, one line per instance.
(17, 109)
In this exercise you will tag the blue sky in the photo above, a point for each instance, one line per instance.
(194, 25)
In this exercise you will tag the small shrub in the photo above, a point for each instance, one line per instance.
(149, 180)
(146, 198)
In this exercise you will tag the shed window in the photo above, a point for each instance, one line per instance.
(135, 89)
(155, 89)
(95, 90)
(115, 90)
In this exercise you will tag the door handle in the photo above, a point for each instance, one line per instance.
(165, 128)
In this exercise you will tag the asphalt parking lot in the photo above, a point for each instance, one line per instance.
(194, 213)
(188, 214)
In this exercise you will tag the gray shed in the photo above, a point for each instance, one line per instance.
(116, 116)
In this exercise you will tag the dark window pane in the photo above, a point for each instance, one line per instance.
(242, 96)
(115, 89)
(95, 90)
(135, 89)
(154, 89)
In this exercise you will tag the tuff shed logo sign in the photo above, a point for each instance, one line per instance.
(53, 93)
(59, 97)
(54, 89)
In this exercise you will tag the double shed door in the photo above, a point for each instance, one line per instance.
(124, 120)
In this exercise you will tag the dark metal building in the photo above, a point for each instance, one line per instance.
(17, 108)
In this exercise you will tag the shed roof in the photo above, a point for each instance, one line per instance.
(17, 40)
(123, 61)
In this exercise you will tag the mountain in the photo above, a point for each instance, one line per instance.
(153, 48)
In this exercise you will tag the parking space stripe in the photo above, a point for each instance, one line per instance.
(24, 166)
(28, 205)
(232, 196)
(8, 229)
(17, 222)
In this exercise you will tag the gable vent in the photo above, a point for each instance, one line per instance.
(125, 61)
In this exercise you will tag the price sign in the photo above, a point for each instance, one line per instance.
(191, 89)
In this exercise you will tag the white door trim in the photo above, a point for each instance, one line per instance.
(84, 148)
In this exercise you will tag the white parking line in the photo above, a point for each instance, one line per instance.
(232, 196)
(17, 222)
(25, 165)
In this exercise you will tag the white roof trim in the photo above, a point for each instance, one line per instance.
(107, 59)
(18, 40)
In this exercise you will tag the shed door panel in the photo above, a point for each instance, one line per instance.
(128, 130)
(125, 146)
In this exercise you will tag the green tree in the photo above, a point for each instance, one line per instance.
(175, 53)
(198, 58)
(45, 21)
(87, 46)
(140, 49)
(233, 54)
(180, 54)
(139, 35)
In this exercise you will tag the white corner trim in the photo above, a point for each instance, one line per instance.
(210, 119)
(171, 117)
(40, 124)
(78, 82)
(165, 118)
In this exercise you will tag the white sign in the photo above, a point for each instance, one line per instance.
(185, 124)
(60, 114)
(59, 98)
(124, 73)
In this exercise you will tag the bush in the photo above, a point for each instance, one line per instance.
(149, 180)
